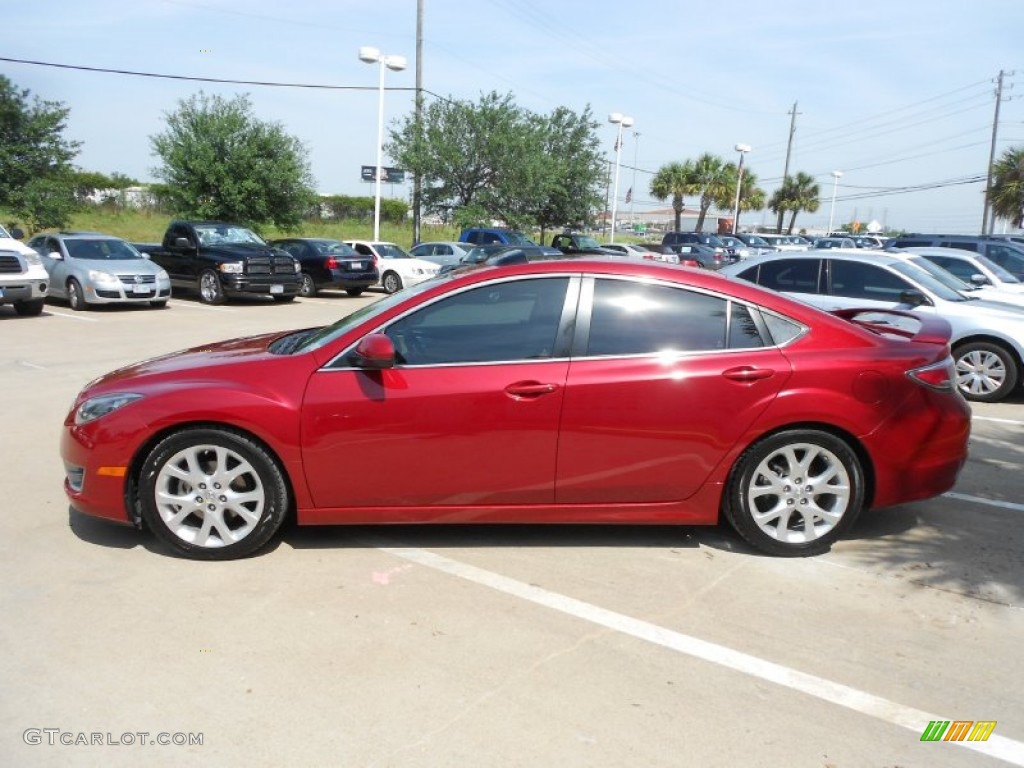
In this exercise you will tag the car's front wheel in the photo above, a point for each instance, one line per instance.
(29, 308)
(76, 296)
(210, 289)
(392, 282)
(212, 493)
(795, 492)
(985, 372)
(308, 287)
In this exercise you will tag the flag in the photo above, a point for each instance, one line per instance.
(629, 195)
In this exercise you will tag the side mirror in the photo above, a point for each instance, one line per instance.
(56, 255)
(979, 280)
(182, 242)
(913, 298)
(374, 352)
(17, 233)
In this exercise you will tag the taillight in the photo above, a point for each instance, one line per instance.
(331, 263)
(940, 376)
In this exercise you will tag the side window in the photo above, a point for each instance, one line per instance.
(963, 245)
(363, 250)
(498, 322)
(958, 267)
(293, 249)
(1007, 258)
(866, 281)
(630, 318)
(799, 275)
(489, 237)
(743, 333)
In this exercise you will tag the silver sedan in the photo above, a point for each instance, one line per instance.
(90, 268)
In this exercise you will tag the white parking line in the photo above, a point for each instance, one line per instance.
(911, 718)
(1014, 422)
(987, 502)
(177, 303)
(71, 316)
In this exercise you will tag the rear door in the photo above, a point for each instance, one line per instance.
(663, 381)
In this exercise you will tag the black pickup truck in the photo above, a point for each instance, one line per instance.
(221, 260)
(572, 244)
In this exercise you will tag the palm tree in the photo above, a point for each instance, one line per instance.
(1007, 194)
(673, 180)
(797, 193)
(711, 180)
(751, 196)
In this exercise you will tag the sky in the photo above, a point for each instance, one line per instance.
(899, 96)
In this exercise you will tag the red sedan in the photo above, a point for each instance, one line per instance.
(580, 391)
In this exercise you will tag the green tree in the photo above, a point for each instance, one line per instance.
(674, 180)
(1007, 195)
(711, 180)
(220, 162)
(495, 160)
(797, 193)
(35, 158)
(752, 197)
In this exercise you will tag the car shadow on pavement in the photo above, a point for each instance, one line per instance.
(460, 536)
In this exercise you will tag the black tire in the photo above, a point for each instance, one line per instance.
(29, 308)
(354, 291)
(284, 299)
(391, 282)
(237, 526)
(764, 492)
(76, 296)
(210, 289)
(985, 372)
(308, 287)
(161, 304)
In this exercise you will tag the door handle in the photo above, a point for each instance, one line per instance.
(530, 389)
(747, 374)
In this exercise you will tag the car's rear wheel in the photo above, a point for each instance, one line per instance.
(29, 308)
(308, 287)
(392, 282)
(354, 291)
(795, 492)
(212, 493)
(210, 289)
(985, 372)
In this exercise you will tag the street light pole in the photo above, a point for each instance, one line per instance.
(832, 210)
(623, 121)
(742, 149)
(370, 55)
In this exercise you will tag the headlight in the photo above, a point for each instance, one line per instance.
(33, 259)
(232, 267)
(104, 279)
(298, 267)
(95, 407)
(162, 275)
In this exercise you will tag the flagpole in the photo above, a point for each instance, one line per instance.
(636, 152)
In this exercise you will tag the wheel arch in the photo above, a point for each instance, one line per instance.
(143, 451)
(847, 437)
(983, 338)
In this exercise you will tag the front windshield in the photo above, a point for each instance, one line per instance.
(100, 250)
(517, 238)
(223, 234)
(481, 254)
(924, 278)
(329, 333)
(997, 270)
(755, 240)
(943, 276)
(584, 242)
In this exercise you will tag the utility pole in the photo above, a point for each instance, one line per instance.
(789, 148)
(417, 188)
(987, 224)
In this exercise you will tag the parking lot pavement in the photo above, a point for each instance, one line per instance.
(497, 646)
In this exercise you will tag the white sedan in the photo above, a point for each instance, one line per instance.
(397, 267)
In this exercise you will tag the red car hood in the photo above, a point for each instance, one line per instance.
(230, 352)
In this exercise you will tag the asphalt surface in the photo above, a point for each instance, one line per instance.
(487, 646)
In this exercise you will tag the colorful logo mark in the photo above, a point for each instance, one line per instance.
(958, 730)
